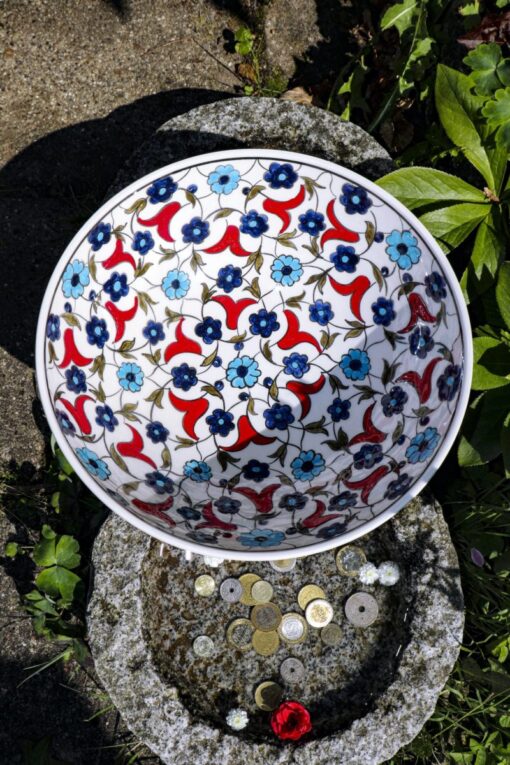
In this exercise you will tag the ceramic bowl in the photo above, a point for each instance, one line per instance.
(254, 354)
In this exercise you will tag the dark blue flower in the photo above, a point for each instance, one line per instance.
(368, 456)
(339, 410)
(65, 423)
(263, 323)
(97, 334)
(209, 330)
(384, 312)
(255, 470)
(116, 286)
(161, 190)
(343, 501)
(157, 432)
(355, 364)
(321, 312)
(106, 418)
(420, 341)
(355, 199)
(75, 380)
(261, 538)
(100, 235)
(184, 376)
(398, 487)
(311, 222)
(448, 382)
(280, 176)
(227, 505)
(394, 401)
(153, 332)
(229, 278)
(53, 327)
(161, 483)
(344, 259)
(330, 532)
(189, 513)
(296, 364)
(278, 417)
(435, 286)
(143, 242)
(220, 422)
(292, 502)
(254, 224)
(423, 445)
(195, 231)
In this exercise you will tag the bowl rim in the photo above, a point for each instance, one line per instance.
(256, 553)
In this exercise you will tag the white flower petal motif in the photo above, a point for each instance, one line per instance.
(389, 573)
(368, 574)
(237, 719)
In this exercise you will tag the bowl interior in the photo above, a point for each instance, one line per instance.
(254, 353)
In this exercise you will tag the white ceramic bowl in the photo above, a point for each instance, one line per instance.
(254, 354)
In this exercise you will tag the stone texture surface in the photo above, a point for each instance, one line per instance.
(151, 703)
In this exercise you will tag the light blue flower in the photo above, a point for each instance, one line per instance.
(402, 249)
(130, 377)
(355, 364)
(224, 179)
(176, 284)
(75, 279)
(308, 465)
(197, 471)
(286, 270)
(91, 462)
(261, 538)
(423, 445)
(243, 372)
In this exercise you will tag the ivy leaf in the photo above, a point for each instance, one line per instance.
(420, 186)
(503, 292)
(497, 112)
(458, 109)
(489, 70)
(451, 225)
(491, 363)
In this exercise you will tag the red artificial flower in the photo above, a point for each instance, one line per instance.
(291, 721)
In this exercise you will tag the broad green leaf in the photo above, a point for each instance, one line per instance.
(458, 109)
(497, 110)
(503, 292)
(488, 248)
(480, 441)
(491, 364)
(503, 137)
(44, 552)
(401, 16)
(57, 581)
(505, 444)
(451, 225)
(67, 552)
(420, 186)
(489, 70)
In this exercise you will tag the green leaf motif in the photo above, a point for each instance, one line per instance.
(491, 364)
(420, 186)
(451, 225)
(489, 70)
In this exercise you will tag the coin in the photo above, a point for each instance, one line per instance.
(203, 646)
(308, 593)
(231, 590)
(282, 566)
(350, 559)
(239, 634)
(266, 617)
(268, 695)
(262, 591)
(293, 628)
(331, 634)
(247, 580)
(319, 613)
(265, 643)
(361, 609)
(292, 670)
(205, 585)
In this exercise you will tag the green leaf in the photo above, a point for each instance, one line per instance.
(44, 552)
(420, 186)
(497, 110)
(480, 441)
(401, 16)
(67, 552)
(11, 549)
(503, 292)
(491, 364)
(505, 444)
(489, 70)
(451, 225)
(458, 110)
(488, 249)
(57, 581)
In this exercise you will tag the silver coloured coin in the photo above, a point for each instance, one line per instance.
(282, 566)
(292, 670)
(361, 609)
(292, 627)
(231, 590)
(203, 646)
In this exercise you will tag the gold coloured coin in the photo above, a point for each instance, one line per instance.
(350, 559)
(266, 617)
(319, 613)
(293, 628)
(247, 581)
(308, 593)
(265, 643)
(283, 566)
(331, 634)
(239, 634)
(268, 695)
(205, 585)
(262, 591)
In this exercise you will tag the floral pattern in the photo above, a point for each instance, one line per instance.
(254, 354)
